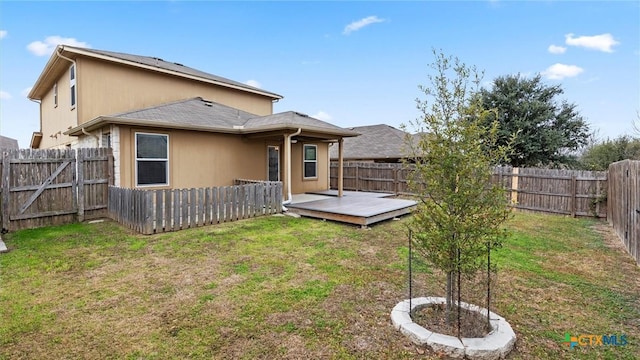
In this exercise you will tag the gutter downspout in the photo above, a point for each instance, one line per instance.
(75, 68)
(287, 150)
(90, 134)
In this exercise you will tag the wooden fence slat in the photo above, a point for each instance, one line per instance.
(6, 176)
(201, 211)
(168, 220)
(215, 206)
(159, 221)
(192, 208)
(80, 184)
(148, 206)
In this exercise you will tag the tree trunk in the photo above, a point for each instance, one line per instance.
(449, 297)
(459, 313)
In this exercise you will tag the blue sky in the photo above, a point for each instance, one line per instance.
(349, 63)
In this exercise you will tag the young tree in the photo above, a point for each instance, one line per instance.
(547, 129)
(459, 218)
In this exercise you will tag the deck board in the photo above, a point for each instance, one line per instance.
(352, 193)
(360, 210)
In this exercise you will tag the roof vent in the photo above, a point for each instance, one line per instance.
(301, 114)
(155, 58)
(178, 64)
(207, 103)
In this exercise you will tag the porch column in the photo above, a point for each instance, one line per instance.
(340, 169)
(287, 167)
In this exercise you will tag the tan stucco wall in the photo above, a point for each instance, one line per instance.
(198, 159)
(106, 88)
(300, 185)
(59, 118)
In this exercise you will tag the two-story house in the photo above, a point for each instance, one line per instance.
(172, 126)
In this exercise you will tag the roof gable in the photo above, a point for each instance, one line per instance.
(56, 65)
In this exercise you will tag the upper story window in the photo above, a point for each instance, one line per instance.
(152, 159)
(55, 95)
(310, 161)
(72, 85)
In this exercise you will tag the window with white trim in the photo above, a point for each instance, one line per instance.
(55, 95)
(152, 159)
(72, 85)
(310, 161)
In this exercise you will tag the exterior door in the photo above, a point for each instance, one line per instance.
(273, 154)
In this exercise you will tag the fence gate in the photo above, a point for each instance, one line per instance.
(50, 187)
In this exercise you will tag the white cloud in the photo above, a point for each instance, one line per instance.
(602, 42)
(3, 34)
(561, 71)
(4, 95)
(321, 115)
(359, 24)
(253, 83)
(43, 48)
(555, 49)
(25, 92)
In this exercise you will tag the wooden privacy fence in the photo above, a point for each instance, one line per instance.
(624, 204)
(50, 187)
(156, 211)
(570, 192)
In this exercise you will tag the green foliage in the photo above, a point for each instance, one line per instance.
(460, 214)
(547, 129)
(598, 156)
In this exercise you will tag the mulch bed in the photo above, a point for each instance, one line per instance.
(433, 318)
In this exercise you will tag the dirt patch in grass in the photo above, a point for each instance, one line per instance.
(435, 318)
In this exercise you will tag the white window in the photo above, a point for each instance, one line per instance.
(106, 140)
(152, 159)
(310, 161)
(55, 95)
(72, 85)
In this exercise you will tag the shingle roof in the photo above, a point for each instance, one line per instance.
(199, 114)
(291, 119)
(375, 142)
(8, 143)
(153, 62)
(194, 112)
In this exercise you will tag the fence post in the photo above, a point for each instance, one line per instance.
(357, 176)
(573, 196)
(598, 197)
(80, 169)
(6, 168)
(514, 185)
(395, 180)
(148, 211)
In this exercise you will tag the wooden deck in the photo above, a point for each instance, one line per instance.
(354, 209)
(352, 193)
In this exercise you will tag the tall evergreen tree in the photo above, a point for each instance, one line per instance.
(546, 128)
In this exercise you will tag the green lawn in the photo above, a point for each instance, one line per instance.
(280, 287)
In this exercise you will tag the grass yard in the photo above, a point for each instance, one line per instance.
(279, 287)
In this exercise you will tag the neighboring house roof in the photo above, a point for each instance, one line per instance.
(8, 143)
(56, 64)
(203, 115)
(376, 142)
